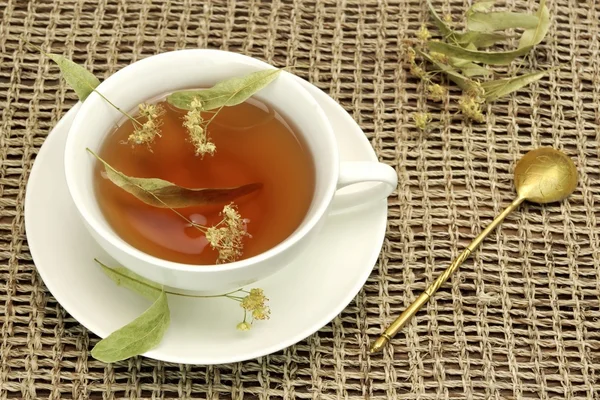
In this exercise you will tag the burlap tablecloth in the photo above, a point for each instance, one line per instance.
(521, 319)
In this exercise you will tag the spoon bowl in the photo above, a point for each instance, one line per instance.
(545, 175)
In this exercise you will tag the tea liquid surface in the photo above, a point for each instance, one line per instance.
(254, 144)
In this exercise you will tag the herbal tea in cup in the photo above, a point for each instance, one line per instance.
(251, 191)
(249, 147)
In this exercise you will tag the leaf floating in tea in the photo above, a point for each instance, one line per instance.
(82, 81)
(160, 193)
(493, 58)
(137, 337)
(229, 92)
(501, 87)
(132, 281)
(499, 21)
(535, 35)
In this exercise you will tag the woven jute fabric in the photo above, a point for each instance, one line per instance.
(519, 320)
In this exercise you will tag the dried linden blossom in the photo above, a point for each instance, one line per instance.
(144, 133)
(196, 126)
(423, 33)
(255, 303)
(226, 237)
(421, 120)
(436, 92)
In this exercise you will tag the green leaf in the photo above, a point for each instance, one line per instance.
(494, 58)
(439, 23)
(501, 87)
(535, 35)
(471, 69)
(460, 80)
(481, 6)
(480, 39)
(132, 281)
(499, 21)
(137, 337)
(82, 81)
(229, 92)
(160, 193)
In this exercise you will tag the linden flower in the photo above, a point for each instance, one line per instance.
(417, 71)
(226, 237)
(436, 92)
(421, 120)
(447, 18)
(254, 302)
(471, 108)
(423, 33)
(196, 127)
(243, 326)
(146, 132)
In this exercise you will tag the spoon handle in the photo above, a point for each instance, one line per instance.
(411, 310)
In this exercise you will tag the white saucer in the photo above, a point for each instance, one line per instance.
(304, 296)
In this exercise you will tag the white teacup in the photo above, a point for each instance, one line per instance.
(178, 70)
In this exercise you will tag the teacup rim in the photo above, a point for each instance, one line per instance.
(132, 251)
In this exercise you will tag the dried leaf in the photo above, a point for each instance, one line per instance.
(137, 337)
(460, 80)
(82, 81)
(471, 69)
(160, 193)
(501, 87)
(480, 39)
(535, 35)
(499, 21)
(481, 6)
(132, 281)
(229, 92)
(494, 58)
(439, 23)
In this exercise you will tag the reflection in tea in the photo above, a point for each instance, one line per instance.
(254, 144)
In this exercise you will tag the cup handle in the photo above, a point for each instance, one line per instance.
(357, 172)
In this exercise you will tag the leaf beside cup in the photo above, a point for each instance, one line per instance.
(82, 81)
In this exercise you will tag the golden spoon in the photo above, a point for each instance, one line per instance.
(543, 175)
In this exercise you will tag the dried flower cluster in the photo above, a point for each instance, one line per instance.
(463, 58)
(255, 304)
(227, 236)
(145, 132)
(197, 126)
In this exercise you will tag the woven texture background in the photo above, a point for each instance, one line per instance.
(521, 319)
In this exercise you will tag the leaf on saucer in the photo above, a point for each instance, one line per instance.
(535, 35)
(160, 193)
(499, 21)
(82, 81)
(493, 58)
(137, 337)
(501, 87)
(229, 92)
(132, 281)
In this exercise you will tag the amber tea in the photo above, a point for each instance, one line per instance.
(254, 144)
